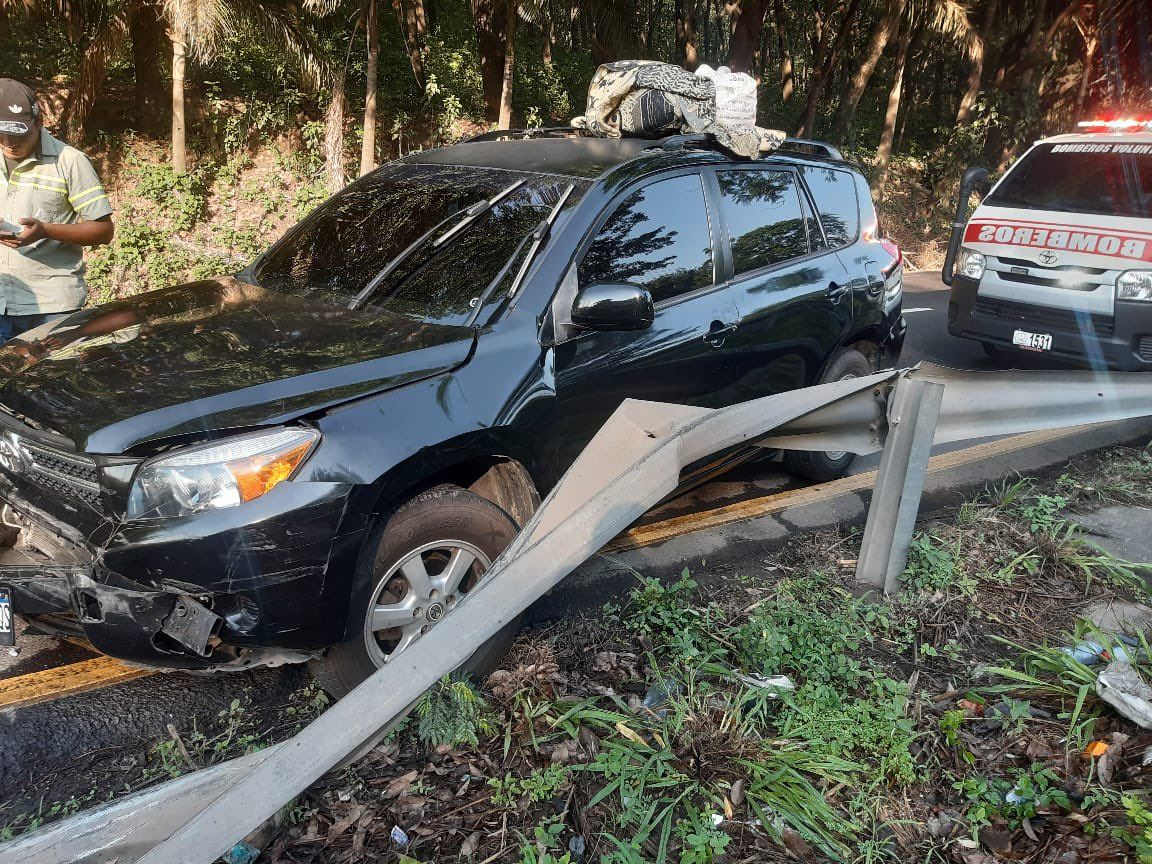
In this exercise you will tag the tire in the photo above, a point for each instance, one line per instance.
(822, 467)
(1000, 357)
(442, 528)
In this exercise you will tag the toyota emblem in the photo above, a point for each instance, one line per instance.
(1048, 258)
(12, 457)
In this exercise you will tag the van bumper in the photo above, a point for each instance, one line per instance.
(1123, 342)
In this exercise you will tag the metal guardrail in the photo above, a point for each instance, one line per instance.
(632, 463)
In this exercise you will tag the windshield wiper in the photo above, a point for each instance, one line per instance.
(539, 237)
(470, 216)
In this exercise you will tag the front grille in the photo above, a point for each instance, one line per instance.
(1067, 268)
(1144, 348)
(1031, 279)
(67, 475)
(1045, 316)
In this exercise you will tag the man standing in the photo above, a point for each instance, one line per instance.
(53, 206)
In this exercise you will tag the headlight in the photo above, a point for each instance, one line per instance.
(972, 264)
(1134, 285)
(218, 475)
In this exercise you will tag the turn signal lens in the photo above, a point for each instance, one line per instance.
(1134, 285)
(972, 264)
(260, 474)
(224, 474)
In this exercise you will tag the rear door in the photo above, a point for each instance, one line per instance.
(792, 293)
(659, 236)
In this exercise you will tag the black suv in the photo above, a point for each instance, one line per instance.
(318, 458)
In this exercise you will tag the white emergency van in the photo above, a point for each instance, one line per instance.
(1057, 257)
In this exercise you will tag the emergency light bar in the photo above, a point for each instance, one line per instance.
(1130, 123)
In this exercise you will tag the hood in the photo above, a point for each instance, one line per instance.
(1058, 238)
(210, 355)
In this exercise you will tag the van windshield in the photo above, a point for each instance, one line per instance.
(1107, 179)
(337, 251)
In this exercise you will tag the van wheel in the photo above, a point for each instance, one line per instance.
(431, 554)
(822, 467)
(1000, 357)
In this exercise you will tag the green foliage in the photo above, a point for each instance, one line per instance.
(1013, 798)
(1138, 834)
(454, 713)
(935, 566)
(181, 197)
(542, 784)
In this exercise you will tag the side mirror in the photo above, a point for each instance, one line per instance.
(974, 180)
(613, 306)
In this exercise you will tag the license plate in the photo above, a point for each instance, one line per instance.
(7, 623)
(1032, 341)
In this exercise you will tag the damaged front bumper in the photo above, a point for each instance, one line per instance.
(130, 624)
(264, 583)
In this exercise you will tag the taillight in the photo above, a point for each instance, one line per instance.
(892, 249)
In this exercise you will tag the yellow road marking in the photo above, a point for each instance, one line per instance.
(66, 680)
(658, 532)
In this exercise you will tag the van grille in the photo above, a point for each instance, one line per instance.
(1144, 348)
(1045, 316)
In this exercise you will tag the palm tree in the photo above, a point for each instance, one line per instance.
(195, 28)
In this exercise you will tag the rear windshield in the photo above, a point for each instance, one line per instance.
(334, 254)
(1108, 179)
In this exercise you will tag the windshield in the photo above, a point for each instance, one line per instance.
(335, 253)
(1107, 179)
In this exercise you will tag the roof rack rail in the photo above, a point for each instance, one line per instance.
(810, 147)
(534, 132)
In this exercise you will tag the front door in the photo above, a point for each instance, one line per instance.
(658, 237)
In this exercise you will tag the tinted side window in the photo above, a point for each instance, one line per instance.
(835, 196)
(658, 238)
(765, 222)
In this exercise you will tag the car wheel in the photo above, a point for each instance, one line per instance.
(430, 555)
(822, 467)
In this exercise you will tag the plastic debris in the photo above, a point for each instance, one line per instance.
(241, 853)
(1122, 687)
(1014, 796)
(399, 838)
(576, 846)
(1090, 653)
(660, 692)
(774, 683)
(1095, 750)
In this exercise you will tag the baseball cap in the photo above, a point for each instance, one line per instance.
(18, 109)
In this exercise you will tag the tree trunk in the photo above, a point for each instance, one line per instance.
(368, 146)
(334, 133)
(884, 151)
(146, 30)
(489, 17)
(686, 36)
(976, 73)
(884, 31)
(823, 72)
(505, 121)
(787, 75)
(1086, 75)
(747, 19)
(409, 16)
(90, 81)
(179, 141)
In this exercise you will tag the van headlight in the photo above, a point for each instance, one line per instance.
(972, 263)
(1134, 285)
(218, 475)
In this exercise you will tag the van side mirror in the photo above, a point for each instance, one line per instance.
(613, 306)
(975, 179)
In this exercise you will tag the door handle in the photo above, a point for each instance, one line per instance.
(835, 291)
(718, 332)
